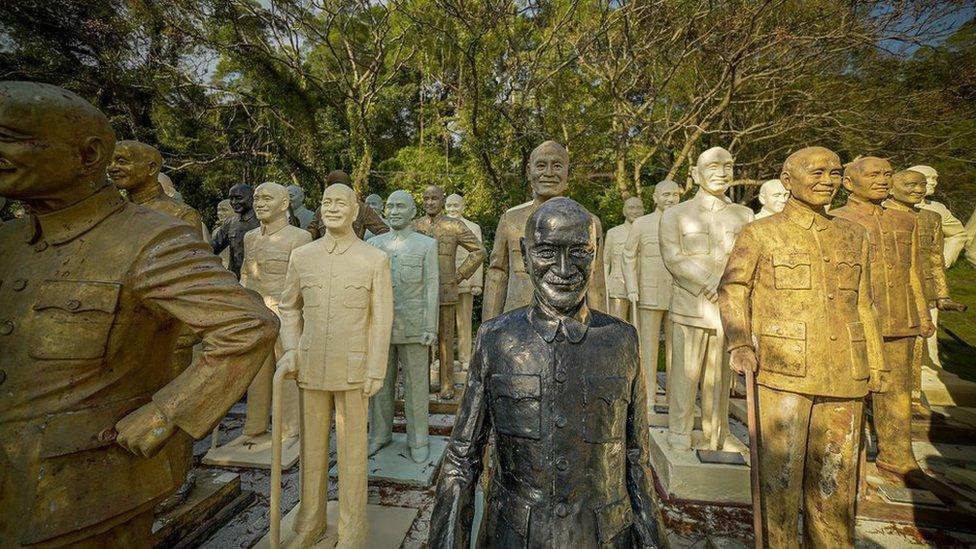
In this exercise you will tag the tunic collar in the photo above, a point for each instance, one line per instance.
(893, 204)
(548, 321)
(709, 202)
(272, 228)
(803, 216)
(863, 205)
(68, 223)
(339, 245)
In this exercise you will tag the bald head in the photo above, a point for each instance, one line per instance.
(224, 211)
(338, 176)
(667, 193)
(135, 165)
(812, 175)
(454, 205)
(931, 178)
(400, 209)
(558, 249)
(340, 206)
(713, 171)
(270, 202)
(633, 208)
(433, 200)
(908, 187)
(868, 178)
(548, 170)
(55, 145)
(773, 196)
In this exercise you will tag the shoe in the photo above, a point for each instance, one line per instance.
(420, 455)
(376, 447)
(446, 395)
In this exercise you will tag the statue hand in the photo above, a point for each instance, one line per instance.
(475, 290)
(927, 328)
(877, 383)
(947, 304)
(633, 297)
(711, 293)
(372, 386)
(743, 359)
(144, 430)
(428, 339)
(289, 363)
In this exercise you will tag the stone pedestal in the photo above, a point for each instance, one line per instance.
(393, 464)
(683, 476)
(253, 452)
(388, 526)
(215, 498)
(942, 388)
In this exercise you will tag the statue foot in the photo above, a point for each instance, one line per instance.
(420, 455)
(446, 395)
(679, 442)
(315, 538)
(376, 447)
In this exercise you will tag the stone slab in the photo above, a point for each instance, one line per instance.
(388, 526)
(201, 513)
(658, 416)
(942, 388)
(252, 452)
(682, 476)
(720, 457)
(963, 477)
(909, 496)
(393, 463)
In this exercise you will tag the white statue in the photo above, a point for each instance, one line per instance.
(696, 238)
(952, 229)
(773, 196)
(613, 260)
(296, 195)
(467, 288)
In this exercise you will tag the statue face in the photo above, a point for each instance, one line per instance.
(814, 178)
(241, 197)
(433, 200)
(666, 195)
(560, 256)
(375, 203)
(909, 188)
(548, 172)
(224, 211)
(871, 181)
(713, 172)
(131, 167)
(633, 208)
(454, 206)
(296, 196)
(773, 195)
(270, 202)
(400, 210)
(339, 207)
(931, 182)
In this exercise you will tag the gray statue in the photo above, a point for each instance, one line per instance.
(296, 195)
(231, 234)
(560, 389)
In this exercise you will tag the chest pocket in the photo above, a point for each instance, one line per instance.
(606, 401)
(791, 271)
(516, 404)
(848, 270)
(411, 269)
(650, 247)
(694, 242)
(275, 263)
(312, 289)
(72, 319)
(903, 243)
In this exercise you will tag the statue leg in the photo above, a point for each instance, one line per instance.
(259, 399)
(668, 348)
(465, 310)
(415, 399)
(382, 403)
(932, 343)
(830, 483)
(290, 417)
(650, 339)
(351, 409)
(316, 411)
(446, 347)
(620, 308)
(893, 409)
(784, 421)
(715, 384)
(690, 341)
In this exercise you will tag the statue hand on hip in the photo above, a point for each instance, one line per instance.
(743, 359)
(289, 363)
(428, 339)
(144, 431)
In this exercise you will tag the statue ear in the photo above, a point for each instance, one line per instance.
(848, 183)
(695, 175)
(95, 153)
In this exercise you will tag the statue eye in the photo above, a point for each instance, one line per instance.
(545, 253)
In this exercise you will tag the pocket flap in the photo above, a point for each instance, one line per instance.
(856, 331)
(411, 260)
(78, 296)
(514, 510)
(612, 518)
(791, 259)
(848, 257)
(516, 385)
(784, 328)
(86, 429)
(609, 389)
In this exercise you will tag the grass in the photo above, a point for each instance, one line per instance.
(959, 357)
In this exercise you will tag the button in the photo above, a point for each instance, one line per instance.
(833, 337)
(20, 284)
(830, 295)
(562, 510)
(74, 305)
(562, 464)
(6, 327)
(560, 376)
(826, 259)
(560, 421)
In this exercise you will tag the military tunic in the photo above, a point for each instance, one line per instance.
(231, 235)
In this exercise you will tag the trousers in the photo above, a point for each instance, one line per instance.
(699, 356)
(445, 345)
(464, 312)
(259, 400)
(649, 330)
(892, 409)
(412, 358)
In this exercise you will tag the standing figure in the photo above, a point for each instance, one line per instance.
(93, 292)
(796, 306)
(559, 389)
(367, 220)
(953, 231)
(336, 314)
(649, 284)
(450, 235)
(267, 251)
(773, 196)
(374, 203)
(696, 238)
(613, 259)
(224, 214)
(231, 234)
(468, 288)
(413, 259)
(296, 196)
(508, 285)
(896, 284)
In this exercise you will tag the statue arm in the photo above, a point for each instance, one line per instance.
(290, 308)
(219, 240)
(478, 280)
(868, 315)
(431, 287)
(496, 285)
(686, 270)
(596, 294)
(380, 320)
(955, 236)
(177, 277)
(936, 263)
(476, 251)
(632, 259)
(735, 290)
(453, 514)
(915, 279)
(639, 484)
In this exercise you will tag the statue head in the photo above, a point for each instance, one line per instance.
(713, 171)
(241, 198)
(169, 189)
(433, 200)
(455, 206)
(338, 176)
(909, 187)
(340, 206)
(931, 178)
(296, 197)
(868, 178)
(134, 165)
(812, 176)
(548, 170)
(400, 210)
(224, 211)
(270, 202)
(633, 208)
(773, 195)
(54, 145)
(558, 249)
(667, 193)
(375, 203)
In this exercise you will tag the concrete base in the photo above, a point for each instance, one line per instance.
(681, 475)
(253, 452)
(659, 417)
(942, 388)
(214, 499)
(388, 527)
(393, 463)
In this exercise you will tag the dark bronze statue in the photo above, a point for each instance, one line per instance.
(231, 234)
(93, 292)
(561, 389)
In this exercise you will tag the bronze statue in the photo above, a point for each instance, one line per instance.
(561, 391)
(231, 234)
(296, 197)
(796, 305)
(366, 220)
(93, 291)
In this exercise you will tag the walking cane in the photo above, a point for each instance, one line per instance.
(276, 410)
(753, 419)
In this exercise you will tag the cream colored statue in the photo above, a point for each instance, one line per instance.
(613, 260)
(336, 314)
(953, 231)
(773, 196)
(296, 195)
(649, 283)
(468, 288)
(696, 238)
